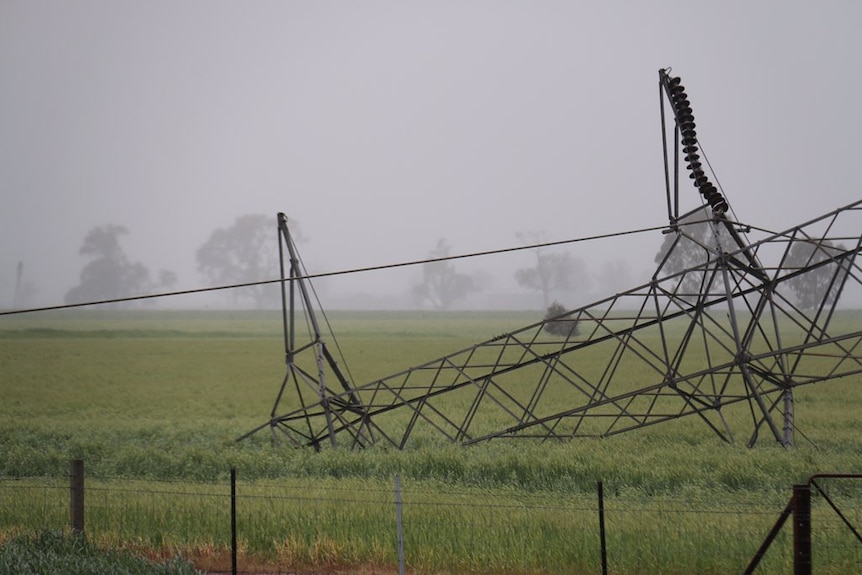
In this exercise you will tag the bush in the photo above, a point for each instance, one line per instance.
(565, 327)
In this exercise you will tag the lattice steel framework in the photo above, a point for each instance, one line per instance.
(726, 320)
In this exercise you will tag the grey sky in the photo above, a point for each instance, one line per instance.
(384, 126)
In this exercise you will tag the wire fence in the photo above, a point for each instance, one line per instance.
(301, 523)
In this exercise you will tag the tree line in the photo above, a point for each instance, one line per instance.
(247, 252)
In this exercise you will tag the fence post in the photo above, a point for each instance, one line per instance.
(802, 564)
(233, 520)
(399, 525)
(76, 495)
(602, 528)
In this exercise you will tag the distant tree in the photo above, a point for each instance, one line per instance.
(246, 252)
(565, 326)
(552, 272)
(167, 279)
(614, 276)
(690, 248)
(109, 274)
(821, 283)
(441, 285)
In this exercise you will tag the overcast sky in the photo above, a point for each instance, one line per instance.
(383, 126)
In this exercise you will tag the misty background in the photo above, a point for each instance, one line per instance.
(382, 127)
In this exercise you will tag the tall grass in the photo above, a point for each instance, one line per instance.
(153, 403)
(56, 552)
(325, 522)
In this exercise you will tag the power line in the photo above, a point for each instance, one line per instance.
(331, 274)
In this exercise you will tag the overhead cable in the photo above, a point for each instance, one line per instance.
(328, 274)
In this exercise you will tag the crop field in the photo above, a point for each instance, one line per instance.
(153, 402)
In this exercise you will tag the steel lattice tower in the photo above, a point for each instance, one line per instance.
(720, 324)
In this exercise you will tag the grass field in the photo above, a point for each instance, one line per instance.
(153, 402)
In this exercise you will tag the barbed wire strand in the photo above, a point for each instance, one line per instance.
(669, 506)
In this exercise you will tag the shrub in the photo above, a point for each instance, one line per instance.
(565, 327)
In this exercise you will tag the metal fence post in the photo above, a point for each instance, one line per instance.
(233, 520)
(802, 564)
(399, 525)
(76, 495)
(602, 528)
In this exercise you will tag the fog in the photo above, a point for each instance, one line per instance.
(383, 126)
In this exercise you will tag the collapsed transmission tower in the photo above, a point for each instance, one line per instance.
(726, 321)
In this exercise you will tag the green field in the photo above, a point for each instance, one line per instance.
(153, 402)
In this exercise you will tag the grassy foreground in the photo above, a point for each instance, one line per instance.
(54, 552)
(152, 401)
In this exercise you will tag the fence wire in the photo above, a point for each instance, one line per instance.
(352, 522)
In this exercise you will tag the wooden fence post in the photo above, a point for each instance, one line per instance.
(76, 495)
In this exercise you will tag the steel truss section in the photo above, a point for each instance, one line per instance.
(725, 322)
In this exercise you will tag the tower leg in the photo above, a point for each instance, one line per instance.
(787, 395)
